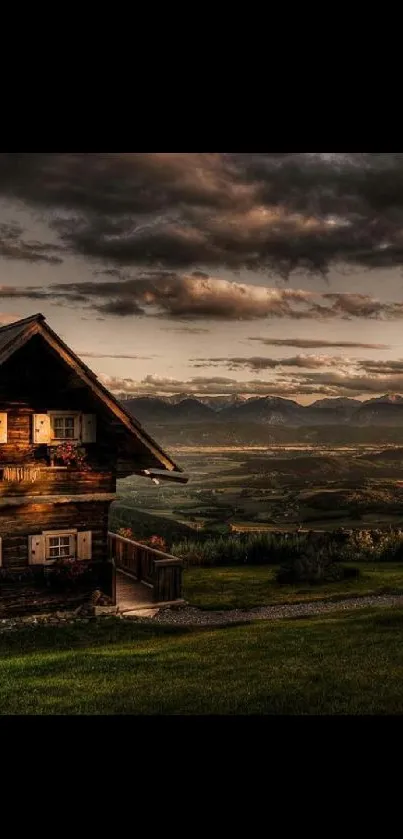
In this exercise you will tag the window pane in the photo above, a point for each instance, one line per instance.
(63, 427)
(58, 427)
(60, 546)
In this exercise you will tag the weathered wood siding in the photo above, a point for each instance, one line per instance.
(21, 449)
(17, 523)
(34, 381)
(58, 481)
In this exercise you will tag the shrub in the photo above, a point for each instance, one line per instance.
(242, 549)
(220, 548)
(373, 546)
(351, 573)
(283, 548)
(125, 533)
(309, 568)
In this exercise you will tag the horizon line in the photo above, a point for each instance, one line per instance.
(247, 397)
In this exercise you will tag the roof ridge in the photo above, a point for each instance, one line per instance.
(38, 317)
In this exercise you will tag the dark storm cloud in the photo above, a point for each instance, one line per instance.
(354, 384)
(13, 246)
(189, 297)
(312, 343)
(361, 305)
(119, 307)
(338, 375)
(110, 272)
(274, 211)
(169, 294)
(115, 355)
(186, 330)
(382, 368)
(307, 362)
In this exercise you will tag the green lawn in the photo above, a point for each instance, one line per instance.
(338, 664)
(247, 587)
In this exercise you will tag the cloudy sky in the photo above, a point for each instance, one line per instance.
(253, 273)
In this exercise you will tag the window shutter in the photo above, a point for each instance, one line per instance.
(84, 545)
(1, 552)
(77, 427)
(89, 428)
(36, 550)
(3, 428)
(41, 428)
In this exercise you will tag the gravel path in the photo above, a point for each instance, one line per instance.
(190, 616)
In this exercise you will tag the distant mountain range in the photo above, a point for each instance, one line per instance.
(269, 410)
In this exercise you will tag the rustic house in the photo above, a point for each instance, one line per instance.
(64, 440)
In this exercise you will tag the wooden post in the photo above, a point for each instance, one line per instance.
(113, 592)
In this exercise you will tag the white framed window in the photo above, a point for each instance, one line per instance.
(64, 426)
(57, 427)
(50, 545)
(60, 545)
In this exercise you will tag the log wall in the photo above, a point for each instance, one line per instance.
(59, 481)
(17, 523)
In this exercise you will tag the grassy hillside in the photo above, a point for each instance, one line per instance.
(340, 664)
(249, 588)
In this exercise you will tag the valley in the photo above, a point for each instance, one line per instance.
(269, 464)
(275, 488)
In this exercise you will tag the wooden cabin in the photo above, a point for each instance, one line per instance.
(64, 441)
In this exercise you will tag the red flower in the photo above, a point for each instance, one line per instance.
(69, 454)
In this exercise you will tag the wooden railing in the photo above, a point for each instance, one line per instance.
(161, 571)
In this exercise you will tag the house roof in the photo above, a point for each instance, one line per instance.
(15, 335)
(13, 330)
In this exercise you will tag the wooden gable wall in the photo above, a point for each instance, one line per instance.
(35, 380)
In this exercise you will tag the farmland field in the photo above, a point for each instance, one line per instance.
(277, 487)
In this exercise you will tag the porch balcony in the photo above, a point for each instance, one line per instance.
(144, 576)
